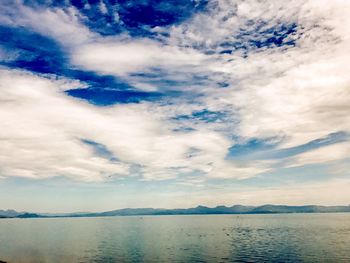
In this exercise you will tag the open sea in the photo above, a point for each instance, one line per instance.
(198, 238)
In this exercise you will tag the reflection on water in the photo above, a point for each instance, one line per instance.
(212, 238)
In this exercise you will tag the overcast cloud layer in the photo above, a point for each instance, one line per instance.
(227, 93)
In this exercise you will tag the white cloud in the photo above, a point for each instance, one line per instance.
(42, 129)
(119, 57)
(299, 93)
(63, 25)
(37, 133)
(331, 153)
(116, 56)
(103, 7)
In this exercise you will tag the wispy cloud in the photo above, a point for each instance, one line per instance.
(225, 75)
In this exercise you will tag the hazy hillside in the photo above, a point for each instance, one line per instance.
(199, 210)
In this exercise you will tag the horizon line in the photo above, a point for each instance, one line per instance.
(163, 208)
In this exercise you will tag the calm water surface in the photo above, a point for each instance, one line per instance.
(212, 238)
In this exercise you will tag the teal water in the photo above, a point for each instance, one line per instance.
(203, 238)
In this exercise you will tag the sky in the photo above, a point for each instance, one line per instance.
(108, 104)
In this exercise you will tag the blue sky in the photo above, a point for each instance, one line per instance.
(107, 104)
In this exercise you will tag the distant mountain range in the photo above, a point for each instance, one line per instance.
(199, 210)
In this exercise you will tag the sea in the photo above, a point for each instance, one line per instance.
(182, 238)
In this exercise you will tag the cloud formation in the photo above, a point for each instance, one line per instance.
(228, 74)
